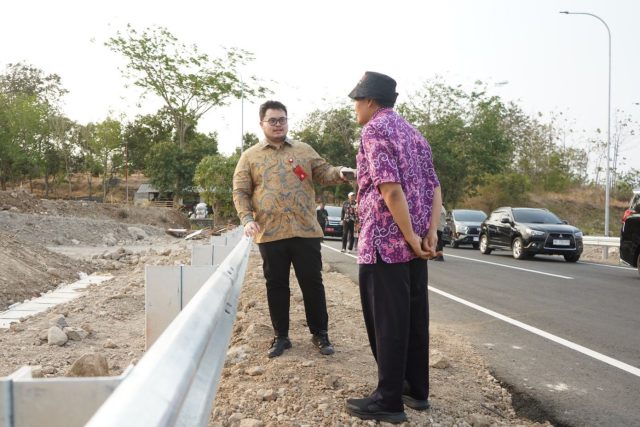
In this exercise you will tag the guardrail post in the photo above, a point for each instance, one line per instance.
(27, 401)
(182, 369)
(176, 380)
(168, 289)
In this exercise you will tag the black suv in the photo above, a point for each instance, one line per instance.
(334, 223)
(463, 227)
(630, 233)
(530, 231)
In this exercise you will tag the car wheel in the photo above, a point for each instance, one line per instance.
(454, 244)
(484, 245)
(517, 248)
(571, 257)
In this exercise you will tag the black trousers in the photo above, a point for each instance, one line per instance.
(440, 244)
(396, 314)
(304, 254)
(322, 225)
(347, 234)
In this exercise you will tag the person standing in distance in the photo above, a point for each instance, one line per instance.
(322, 215)
(399, 203)
(440, 246)
(273, 192)
(348, 217)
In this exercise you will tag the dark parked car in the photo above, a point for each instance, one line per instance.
(530, 231)
(334, 223)
(463, 227)
(630, 233)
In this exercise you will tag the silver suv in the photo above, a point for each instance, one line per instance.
(464, 226)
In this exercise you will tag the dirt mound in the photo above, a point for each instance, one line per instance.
(32, 230)
(30, 269)
(23, 202)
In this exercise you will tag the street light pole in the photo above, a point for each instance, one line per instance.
(606, 201)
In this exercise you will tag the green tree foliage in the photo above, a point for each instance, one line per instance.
(467, 135)
(249, 139)
(63, 133)
(88, 159)
(10, 152)
(22, 79)
(142, 134)
(107, 139)
(508, 189)
(29, 100)
(189, 82)
(171, 169)
(448, 138)
(627, 182)
(478, 142)
(214, 176)
(26, 120)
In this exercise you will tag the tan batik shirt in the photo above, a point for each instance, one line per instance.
(274, 187)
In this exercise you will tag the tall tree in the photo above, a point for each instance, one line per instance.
(61, 129)
(143, 133)
(25, 79)
(189, 82)
(214, 175)
(30, 99)
(107, 139)
(248, 140)
(171, 168)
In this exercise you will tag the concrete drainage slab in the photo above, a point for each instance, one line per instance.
(63, 293)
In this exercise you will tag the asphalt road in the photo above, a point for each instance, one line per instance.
(565, 338)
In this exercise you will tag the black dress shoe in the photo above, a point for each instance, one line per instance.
(412, 402)
(321, 340)
(368, 409)
(278, 346)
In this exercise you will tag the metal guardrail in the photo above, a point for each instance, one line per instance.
(601, 241)
(175, 383)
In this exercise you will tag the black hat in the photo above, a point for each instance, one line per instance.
(375, 86)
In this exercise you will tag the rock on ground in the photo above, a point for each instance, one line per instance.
(300, 388)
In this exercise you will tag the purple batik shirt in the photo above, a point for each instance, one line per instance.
(391, 150)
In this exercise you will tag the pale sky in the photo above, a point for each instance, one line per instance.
(317, 51)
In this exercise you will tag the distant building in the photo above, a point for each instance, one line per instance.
(147, 194)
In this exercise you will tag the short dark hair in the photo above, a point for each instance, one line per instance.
(271, 105)
(386, 103)
(383, 103)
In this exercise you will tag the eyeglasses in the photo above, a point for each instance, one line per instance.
(279, 121)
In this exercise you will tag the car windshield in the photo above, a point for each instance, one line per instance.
(334, 211)
(535, 216)
(469, 216)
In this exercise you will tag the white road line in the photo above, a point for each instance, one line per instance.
(598, 356)
(340, 252)
(622, 267)
(512, 267)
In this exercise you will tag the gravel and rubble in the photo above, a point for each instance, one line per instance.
(102, 331)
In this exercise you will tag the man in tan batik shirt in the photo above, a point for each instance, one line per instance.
(273, 192)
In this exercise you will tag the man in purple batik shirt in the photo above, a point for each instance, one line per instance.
(399, 203)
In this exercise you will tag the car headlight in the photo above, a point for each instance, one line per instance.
(533, 232)
(463, 229)
(578, 234)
